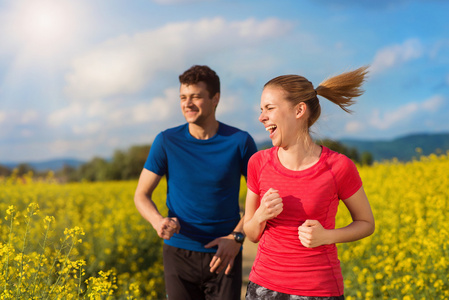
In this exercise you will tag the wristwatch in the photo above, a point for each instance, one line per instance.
(238, 237)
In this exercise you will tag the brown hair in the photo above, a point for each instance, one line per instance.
(339, 89)
(202, 73)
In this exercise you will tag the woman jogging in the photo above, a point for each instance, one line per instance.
(294, 190)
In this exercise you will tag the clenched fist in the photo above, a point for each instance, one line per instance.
(312, 234)
(168, 227)
(271, 205)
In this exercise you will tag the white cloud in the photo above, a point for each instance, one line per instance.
(394, 55)
(89, 128)
(126, 64)
(393, 117)
(171, 2)
(227, 104)
(2, 116)
(62, 146)
(34, 30)
(64, 115)
(405, 112)
(439, 48)
(161, 108)
(29, 116)
(26, 133)
(434, 103)
(16, 117)
(157, 109)
(101, 115)
(354, 126)
(77, 148)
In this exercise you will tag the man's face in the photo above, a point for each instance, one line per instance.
(196, 105)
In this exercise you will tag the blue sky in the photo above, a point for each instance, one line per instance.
(82, 78)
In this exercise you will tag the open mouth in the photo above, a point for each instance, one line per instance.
(271, 129)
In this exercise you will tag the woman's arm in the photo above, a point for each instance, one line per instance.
(313, 234)
(258, 212)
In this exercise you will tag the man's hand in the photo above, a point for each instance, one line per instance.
(228, 249)
(312, 234)
(167, 227)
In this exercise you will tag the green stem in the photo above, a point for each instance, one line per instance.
(55, 260)
(79, 281)
(27, 230)
(36, 274)
(63, 267)
(9, 246)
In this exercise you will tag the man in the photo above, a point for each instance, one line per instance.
(203, 161)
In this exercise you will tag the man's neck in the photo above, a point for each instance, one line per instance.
(203, 131)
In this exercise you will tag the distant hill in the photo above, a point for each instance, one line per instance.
(53, 164)
(403, 148)
(264, 145)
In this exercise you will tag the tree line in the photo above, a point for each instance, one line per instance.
(365, 158)
(124, 165)
(128, 164)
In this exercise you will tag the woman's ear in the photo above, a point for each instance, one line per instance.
(300, 109)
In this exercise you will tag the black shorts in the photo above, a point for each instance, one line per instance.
(188, 276)
(257, 292)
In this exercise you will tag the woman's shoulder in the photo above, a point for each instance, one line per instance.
(336, 159)
(263, 156)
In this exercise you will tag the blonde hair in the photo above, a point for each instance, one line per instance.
(340, 89)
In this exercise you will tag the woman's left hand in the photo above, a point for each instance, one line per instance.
(312, 234)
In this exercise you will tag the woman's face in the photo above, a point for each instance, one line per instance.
(279, 117)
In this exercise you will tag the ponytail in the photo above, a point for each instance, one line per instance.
(341, 89)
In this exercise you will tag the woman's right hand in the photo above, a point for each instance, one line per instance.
(270, 206)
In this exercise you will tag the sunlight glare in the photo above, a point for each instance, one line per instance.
(46, 26)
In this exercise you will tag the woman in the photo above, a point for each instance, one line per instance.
(294, 190)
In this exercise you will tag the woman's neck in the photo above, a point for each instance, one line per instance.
(301, 155)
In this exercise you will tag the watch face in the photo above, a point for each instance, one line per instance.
(239, 237)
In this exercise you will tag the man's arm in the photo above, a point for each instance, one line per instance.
(228, 248)
(165, 227)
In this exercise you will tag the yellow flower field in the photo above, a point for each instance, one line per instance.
(87, 240)
(80, 239)
(408, 255)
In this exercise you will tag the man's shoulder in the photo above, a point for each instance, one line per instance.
(174, 130)
(170, 135)
(228, 130)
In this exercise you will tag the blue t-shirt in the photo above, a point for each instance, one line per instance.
(203, 181)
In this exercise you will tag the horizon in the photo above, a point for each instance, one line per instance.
(85, 89)
(260, 143)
